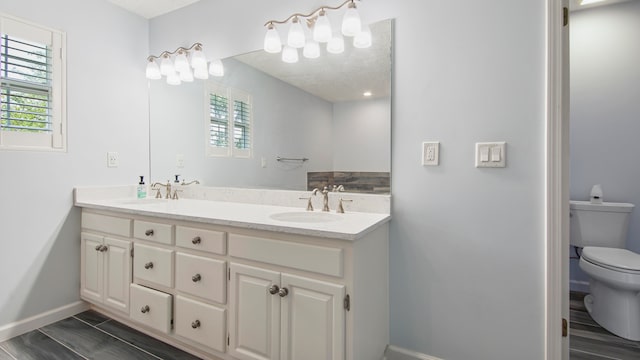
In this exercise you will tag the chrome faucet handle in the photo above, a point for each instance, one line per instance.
(175, 194)
(190, 182)
(340, 209)
(309, 205)
(154, 186)
(338, 188)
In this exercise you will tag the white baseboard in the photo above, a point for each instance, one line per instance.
(20, 327)
(398, 353)
(576, 285)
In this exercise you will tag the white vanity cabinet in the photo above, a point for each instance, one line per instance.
(105, 261)
(231, 292)
(282, 316)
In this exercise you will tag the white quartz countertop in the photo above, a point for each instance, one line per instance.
(347, 226)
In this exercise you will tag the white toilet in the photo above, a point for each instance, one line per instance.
(614, 272)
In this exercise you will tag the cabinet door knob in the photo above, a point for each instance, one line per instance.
(148, 265)
(273, 289)
(98, 247)
(145, 309)
(149, 232)
(195, 324)
(196, 240)
(196, 278)
(283, 292)
(104, 248)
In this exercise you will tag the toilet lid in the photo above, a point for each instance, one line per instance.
(621, 259)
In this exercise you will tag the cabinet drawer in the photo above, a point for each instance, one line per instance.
(202, 277)
(106, 224)
(161, 233)
(319, 259)
(202, 323)
(151, 308)
(199, 239)
(153, 264)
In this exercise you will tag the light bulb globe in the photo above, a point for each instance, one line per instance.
(153, 70)
(289, 54)
(173, 78)
(296, 38)
(216, 68)
(322, 29)
(181, 63)
(351, 23)
(363, 39)
(198, 59)
(166, 66)
(272, 43)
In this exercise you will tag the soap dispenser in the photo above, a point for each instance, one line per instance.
(142, 188)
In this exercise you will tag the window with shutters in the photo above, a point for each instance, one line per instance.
(32, 114)
(229, 122)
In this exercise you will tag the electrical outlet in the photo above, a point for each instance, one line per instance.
(112, 159)
(430, 153)
(180, 160)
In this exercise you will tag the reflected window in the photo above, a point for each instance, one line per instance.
(223, 102)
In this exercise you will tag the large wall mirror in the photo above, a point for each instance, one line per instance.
(315, 109)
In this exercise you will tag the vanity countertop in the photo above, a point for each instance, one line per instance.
(348, 226)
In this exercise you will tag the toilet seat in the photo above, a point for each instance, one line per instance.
(621, 260)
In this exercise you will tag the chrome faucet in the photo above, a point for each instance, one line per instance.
(158, 193)
(309, 204)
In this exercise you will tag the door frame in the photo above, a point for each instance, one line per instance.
(557, 180)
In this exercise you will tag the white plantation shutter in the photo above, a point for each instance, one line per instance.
(31, 86)
(229, 122)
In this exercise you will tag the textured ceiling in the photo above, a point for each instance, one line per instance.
(152, 8)
(343, 77)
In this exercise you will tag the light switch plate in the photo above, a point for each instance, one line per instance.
(491, 154)
(180, 160)
(430, 153)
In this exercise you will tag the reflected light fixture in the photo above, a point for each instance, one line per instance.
(587, 2)
(320, 29)
(182, 65)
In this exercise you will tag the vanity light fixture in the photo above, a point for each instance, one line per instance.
(587, 2)
(320, 32)
(187, 64)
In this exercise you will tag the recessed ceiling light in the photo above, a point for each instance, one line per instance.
(367, 93)
(587, 2)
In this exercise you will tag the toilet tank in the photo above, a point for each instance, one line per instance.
(603, 224)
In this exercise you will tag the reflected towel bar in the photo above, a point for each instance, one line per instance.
(291, 159)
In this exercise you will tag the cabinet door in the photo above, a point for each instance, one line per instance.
(117, 274)
(254, 323)
(313, 319)
(91, 274)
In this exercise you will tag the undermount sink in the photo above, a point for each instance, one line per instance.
(305, 217)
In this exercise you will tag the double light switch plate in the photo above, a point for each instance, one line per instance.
(491, 154)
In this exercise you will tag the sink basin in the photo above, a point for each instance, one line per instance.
(305, 217)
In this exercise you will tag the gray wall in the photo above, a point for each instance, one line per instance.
(361, 138)
(605, 110)
(467, 245)
(107, 111)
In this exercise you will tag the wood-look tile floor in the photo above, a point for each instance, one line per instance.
(88, 335)
(589, 341)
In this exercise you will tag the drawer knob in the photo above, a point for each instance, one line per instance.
(195, 324)
(283, 292)
(196, 278)
(149, 232)
(273, 289)
(196, 240)
(145, 309)
(148, 265)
